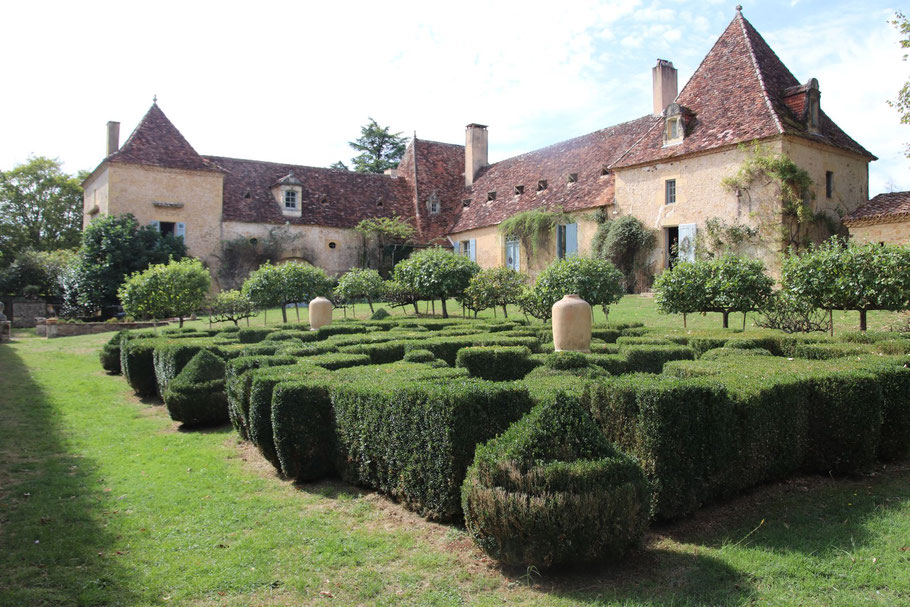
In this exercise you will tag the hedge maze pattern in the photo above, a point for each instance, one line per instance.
(549, 457)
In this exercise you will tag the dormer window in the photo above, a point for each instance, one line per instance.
(290, 200)
(433, 204)
(491, 196)
(675, 117)
(541, 185)
(573, 178)
(519, 190)
(288, 193)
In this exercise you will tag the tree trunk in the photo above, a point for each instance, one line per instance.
(831, 322)
(247, 321)
(744, 320)
(726, 319)
(370, 301)
(265, 317)
(297, 309)
(433, 303)
(445, 313)
(505, 312)
(237, 324)
(180, 318)
(862, 320)
(684, 320)
(606, 313)
(416, 311)
(494, 312)
(284, 313)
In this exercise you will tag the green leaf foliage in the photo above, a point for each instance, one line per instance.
(435, 273)
(284, 284)
(196, 396)
(40, 208)
(623, 242)
(533, 228)
(176, 289)
(379, 149)
(597, 281)
(357, 284)
(849, 276)
(231, 306)
(552, 491)
(113, 248)
(494, 287)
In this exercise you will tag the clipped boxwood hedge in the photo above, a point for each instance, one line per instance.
(422, 458)
(552, 491)
(110, 353)
(496, 363)
(237, 378)
(137, 363)
(196, 396)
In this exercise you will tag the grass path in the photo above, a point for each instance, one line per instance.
(104, 501)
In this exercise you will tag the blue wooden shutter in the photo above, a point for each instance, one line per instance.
(472, 248)
(180, 229)
(571, 239)
(156, 225)
(687, 242)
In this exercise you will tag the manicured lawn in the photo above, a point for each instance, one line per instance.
(105, 501)
(632, 308)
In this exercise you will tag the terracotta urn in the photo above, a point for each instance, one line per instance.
(572, 324)
(320, 313)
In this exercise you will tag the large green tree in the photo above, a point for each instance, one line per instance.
(114, 247)
(378, 149)
(40, 208)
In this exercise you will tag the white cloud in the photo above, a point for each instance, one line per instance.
(294, 81)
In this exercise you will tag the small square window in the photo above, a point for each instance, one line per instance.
(466, 202)
(829, 184)
(491, 196)
(670, 191)
(290, 199)
(573, 178)
(519, 190)
(541, 185)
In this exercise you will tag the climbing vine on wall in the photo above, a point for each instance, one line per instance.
(792, 198)
(533, 228)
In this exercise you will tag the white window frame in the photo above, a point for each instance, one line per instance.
(290, 200)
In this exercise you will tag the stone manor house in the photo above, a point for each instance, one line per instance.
(665, 168)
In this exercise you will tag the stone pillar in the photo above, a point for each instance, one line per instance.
(320, 313)
(572, 324)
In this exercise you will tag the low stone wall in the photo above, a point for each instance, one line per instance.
(69, 329)
(25, 312)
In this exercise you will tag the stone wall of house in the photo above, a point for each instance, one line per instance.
(850, 180)
(95, 198)
(491, 245)
(897, 232)
(135, 189)
(313, 244)
(700, 195)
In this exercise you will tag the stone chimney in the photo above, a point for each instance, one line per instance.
(665, 88)
(475, 152)
(113, 137)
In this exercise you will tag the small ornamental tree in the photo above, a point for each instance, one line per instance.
(494, 287)
(597, 281)
(176, 289)
(379, 233)
(724, 284)
(847, 276)
(399, 295)
(357, 284)
(737, 284)
(285, 284)
(682, 289)
(436, 273)
(230, 305)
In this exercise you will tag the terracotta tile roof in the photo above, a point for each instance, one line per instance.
(884, 208)
(157, 142)
(440, 174)
(584, 156)
(330, 197)
(740, 92)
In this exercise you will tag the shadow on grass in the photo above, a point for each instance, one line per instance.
(649, 576)
(55, 549)
(814, 515)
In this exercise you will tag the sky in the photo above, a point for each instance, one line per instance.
(294, 81)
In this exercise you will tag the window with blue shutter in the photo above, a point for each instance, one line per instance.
(567, 240)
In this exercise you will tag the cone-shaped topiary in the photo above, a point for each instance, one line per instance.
(196, 396)
(552, 491)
